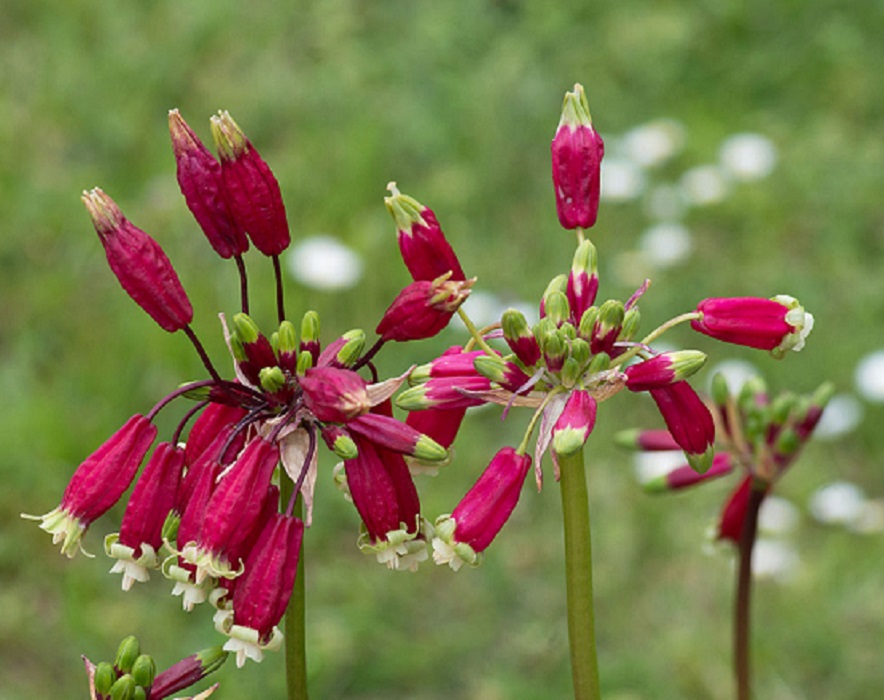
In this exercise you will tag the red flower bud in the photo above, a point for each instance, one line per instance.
(335, 395)
(199, 177)
(423, 309)
(577, 152)
(139, 263)
(252, 190)
(689, 422)
(425, 250)
(730, 524)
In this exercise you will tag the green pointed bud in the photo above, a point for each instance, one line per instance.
(543, 329)
(557, 307)
(752, 393)
(580, 351)
(140, 693)
(568, 331)
(631, 322)
(585, 258)
(611, 315)
(236, 348)
(628, 439)
(274, 342)
(685, 363)
(782, 407)
(570, 373)
(123, 689)
(427, 449)
(345, 448)
(587, 322)
(104, 678)
(144, 670)
(491, 367)
(353, 347)
(559, 283)
(822, 395)
(272, 379)
(305, 362)
(657, 484)
(720, 391)
(286, 338)
(555, 350)
(310, 327)
(245, 328)
(515, 325)
(599, 363)
(788, 442)
(170, 526)
(211, 659)
(128, 651)
(702, 462)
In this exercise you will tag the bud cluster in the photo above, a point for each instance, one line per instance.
(133, 675)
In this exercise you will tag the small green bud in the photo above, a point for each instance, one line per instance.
(752, 394)
(559, 283)
(128, 651)
(123, 689)
(305, 362)
(823, 394)
(631, 321)
(170, 526)
(211, 659)
(353, 347)
(585, 258)
(587, 322)
(140, 693)
(514, 324)
(144, 670)
(286, 338)
(568, 331)
(542, 329)
(570, 373)
(199, 394)
(782, 407)
(580, 351)
(557, 307)
(104, 678)
(345, 448)
(272, 379)
(599, 363)
(555, 350)
(611, 315)
(720, 392)
(310, 327)
(237, 349)
(787, 441)
(245, 328)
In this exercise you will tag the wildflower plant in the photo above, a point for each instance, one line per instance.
(221, 506)
(759, 436)
(578, 355)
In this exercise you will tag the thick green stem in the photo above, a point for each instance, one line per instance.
(742, 603)
(295, 643)
(578, 578)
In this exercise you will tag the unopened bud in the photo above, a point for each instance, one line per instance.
(128, 651)
(104, 678)
(144, 670)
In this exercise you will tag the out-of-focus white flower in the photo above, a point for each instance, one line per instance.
(704, 184)
(651, 465)
(775, 559)
(651, 144)
(622, 179)
(748, 156)
(869, 376)
(843, 413)
(665, 203)
(777, 516)
(323, 262)
(838, 503)
(666, 244)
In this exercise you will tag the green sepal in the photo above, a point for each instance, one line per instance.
(123, 688)
(580, 351)
(245, 328)
(345, 448)
(286, 338)
(631, 322)
(599, 363)
(570, 372)
(144, 670)
(701, 463)
(310, 327)
(627, 439)
(557, 308)
(587, 323)
(272, 379)
(352, 348)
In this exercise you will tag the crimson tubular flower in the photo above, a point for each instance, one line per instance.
(207, 513)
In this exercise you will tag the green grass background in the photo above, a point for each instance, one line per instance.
(457, 101)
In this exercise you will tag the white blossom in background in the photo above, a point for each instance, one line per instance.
(748, 156)
(704, 185)
(622, 179)
(775, 559)
(323, 262)
(777, 516)
(842, 415)
(665, 203)
(869, 377)
(653, 143)
(838, 503)
(666, 244)
(651, 465)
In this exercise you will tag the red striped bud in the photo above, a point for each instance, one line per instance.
(663, 369)
(574, 425)
(689, 422)
(685, 476)
(335, 395)
(423, 308)
(583, 280)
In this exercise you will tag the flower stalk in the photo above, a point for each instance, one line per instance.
(294, 623)
(578, 577)
(743, 599)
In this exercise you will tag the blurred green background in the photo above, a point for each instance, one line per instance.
(457, 101)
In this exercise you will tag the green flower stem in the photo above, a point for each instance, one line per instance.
(295, 643)
(742, 604)
(653, 335)
(578, 578)
(474, 332)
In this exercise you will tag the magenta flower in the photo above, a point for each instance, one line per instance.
(462, 536)
(779, 324)
(423, 308)
(577, 152)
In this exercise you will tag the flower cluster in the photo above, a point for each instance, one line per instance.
(579, 354)
(756, 434)
(134, 674)
(216, 512)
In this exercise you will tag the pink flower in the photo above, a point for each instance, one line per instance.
(577, 152)
(98, 483)
(335, 395)
(779, 324)
(462, 536)
(663, 369)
